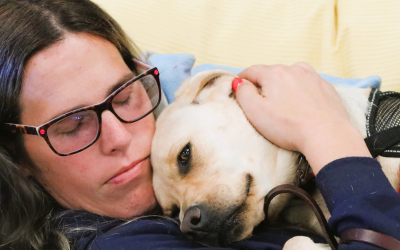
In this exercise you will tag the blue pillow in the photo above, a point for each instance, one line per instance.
(176, 68)
(371, 81)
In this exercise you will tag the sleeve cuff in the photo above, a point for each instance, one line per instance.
(346, 178)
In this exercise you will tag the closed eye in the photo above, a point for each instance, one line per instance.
(124, 102)
(184, 158)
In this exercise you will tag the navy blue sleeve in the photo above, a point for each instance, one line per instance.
(359, 195)
(152, 233)
(162, 233)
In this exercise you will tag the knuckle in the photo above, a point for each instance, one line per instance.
(303, 67)
(262, 67)
(259, 66)
(303, 64)
(279, 69)
(300, 69)
(254, 69)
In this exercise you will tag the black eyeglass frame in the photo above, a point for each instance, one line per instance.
(99, 108)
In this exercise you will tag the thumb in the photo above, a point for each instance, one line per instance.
(250, 100)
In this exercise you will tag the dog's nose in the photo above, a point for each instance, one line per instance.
(192, 218)
(196, 224)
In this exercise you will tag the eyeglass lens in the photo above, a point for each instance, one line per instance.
(78, 130)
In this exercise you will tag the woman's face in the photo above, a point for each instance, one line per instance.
(113, 176)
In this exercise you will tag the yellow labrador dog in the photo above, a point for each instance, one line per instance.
(212, 169)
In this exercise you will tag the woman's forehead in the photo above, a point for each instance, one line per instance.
(75, 72)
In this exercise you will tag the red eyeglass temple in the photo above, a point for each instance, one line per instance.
(144, 66)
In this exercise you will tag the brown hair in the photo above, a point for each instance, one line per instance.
(27, 27)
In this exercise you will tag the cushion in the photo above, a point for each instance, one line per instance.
(175, 68)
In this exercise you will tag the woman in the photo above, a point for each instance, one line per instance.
(51, 58)
(90, 171)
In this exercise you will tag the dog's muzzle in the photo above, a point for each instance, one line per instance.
(212, 227)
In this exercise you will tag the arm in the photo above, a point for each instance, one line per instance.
(359, 195)
(299, 111)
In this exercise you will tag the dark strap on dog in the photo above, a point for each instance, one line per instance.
(292, 189)
(371, 237)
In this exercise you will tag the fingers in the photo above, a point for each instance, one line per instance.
(250, 100)
(247, 94)
(265, 76)
(253, 73)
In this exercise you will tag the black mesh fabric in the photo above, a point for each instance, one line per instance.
(383, 124)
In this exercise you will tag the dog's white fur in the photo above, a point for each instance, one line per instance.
(225, 148)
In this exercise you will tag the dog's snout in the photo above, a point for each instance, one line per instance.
(192, 218)
(194, 221)
(196, 224)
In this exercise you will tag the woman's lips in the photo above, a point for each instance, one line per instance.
(128, 173)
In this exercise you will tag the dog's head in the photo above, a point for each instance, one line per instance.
(212, 169)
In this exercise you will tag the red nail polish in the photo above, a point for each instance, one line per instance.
(235, 83)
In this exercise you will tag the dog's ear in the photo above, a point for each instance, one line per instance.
(190, 90)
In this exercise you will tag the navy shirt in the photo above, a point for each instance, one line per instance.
(357, 193)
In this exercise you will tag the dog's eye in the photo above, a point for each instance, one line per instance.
(185, 154)
(184, 159)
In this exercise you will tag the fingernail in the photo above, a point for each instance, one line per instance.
(235, 83)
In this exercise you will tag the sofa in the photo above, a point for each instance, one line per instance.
(346, 38)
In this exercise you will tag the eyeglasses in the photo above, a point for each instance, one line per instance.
(78, 129)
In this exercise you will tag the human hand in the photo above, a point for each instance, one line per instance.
(299, 111)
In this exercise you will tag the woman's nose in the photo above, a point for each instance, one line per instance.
(114, 136)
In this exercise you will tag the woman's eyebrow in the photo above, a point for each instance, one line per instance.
(120, 82)
(110, 90)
